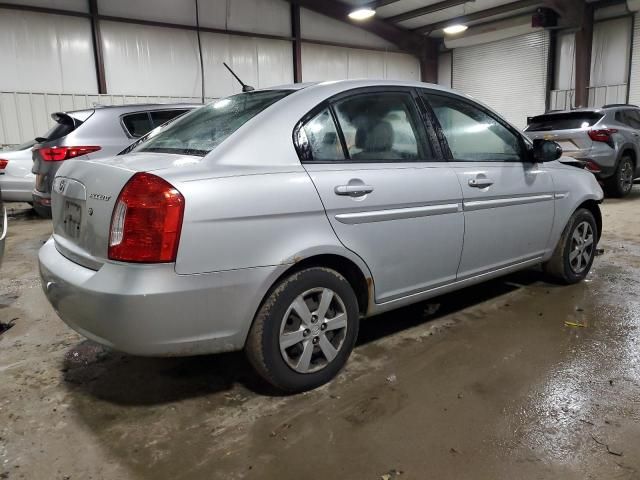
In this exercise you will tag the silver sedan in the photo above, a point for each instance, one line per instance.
(274, 220)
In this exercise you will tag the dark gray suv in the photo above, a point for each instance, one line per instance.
(605, 141)
(95, 133)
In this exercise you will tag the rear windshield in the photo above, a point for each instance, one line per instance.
(200, 131)
(563, 121)
(65, 124)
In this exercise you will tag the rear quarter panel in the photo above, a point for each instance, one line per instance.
(250, 221)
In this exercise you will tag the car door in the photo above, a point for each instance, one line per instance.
(508, 201)
(632, 119)
(387, 193)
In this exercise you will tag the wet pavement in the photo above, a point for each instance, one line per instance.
(515, 378)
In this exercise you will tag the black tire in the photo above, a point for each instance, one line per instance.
(42, 211)
(263, 347)
(620, 184)
(561, 266)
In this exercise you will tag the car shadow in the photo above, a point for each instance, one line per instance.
(127, 380)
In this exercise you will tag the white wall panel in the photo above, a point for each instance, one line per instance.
(565, 78)
(258, 62)
(444, 69)
(321, 62)
(610, 52)
(143, 60)
(170, 11)
(315, 26)
(260, 16)
(46, 53)
(74, 5)
(509, 75)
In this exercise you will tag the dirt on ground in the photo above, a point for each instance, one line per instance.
(515, 378)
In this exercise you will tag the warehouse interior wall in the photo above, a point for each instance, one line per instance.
(51, 60)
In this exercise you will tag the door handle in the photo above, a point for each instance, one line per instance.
(353, 190)
(480, 182)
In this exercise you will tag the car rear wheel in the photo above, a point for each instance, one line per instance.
(305, 330)
(574, 254)
(621, 182)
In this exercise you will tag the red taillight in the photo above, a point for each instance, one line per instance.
(57, 154)
(3, 163)
(603, 135)
(146, 221)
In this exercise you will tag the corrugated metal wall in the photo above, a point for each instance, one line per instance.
(634, 84)
(509, 75)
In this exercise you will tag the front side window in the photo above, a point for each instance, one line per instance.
(381, 127)
(201, 130)
(632, 118)
(472, 134)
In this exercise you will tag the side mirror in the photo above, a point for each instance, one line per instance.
(546, 151)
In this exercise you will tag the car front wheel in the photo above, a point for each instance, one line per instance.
(574, 254)
(305, 330)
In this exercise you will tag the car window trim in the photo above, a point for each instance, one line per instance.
(421, 136)
(524, 146)
(150, 118)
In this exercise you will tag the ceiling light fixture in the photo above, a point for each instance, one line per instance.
(362, 14)
(453, 29)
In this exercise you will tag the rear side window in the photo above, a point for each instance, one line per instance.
(629, 117)
(137, 124)
(563, 121)
(203, 129)
(320, 139)
(381, 127)
(160, 117)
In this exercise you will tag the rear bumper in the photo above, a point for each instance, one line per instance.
(606, 160)
(149, 309)
(16, 189)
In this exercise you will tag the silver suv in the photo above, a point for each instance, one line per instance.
(274, 220)
(605, 141)
(94, 133)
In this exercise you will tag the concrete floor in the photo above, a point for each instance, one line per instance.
(493, 385)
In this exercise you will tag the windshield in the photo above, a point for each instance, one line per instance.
(202, 130)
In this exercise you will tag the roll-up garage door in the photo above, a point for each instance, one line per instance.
(634, 84)
(509, 75)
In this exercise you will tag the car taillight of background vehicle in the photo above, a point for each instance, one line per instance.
(146, 221)
(3, 163)
(602, 135)
(58, 154)
(593, 167)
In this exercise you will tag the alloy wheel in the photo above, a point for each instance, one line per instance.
(582, 247)
(313, 330)
(626, 176)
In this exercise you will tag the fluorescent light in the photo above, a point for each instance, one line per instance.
(453, 29)
(362, 14)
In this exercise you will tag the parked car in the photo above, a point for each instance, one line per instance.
(273, 221)
(16, 179)
(606, 141)
(4, 226)
(94, 133)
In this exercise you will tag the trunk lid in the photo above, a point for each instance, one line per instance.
(569, 129)
(84, 195)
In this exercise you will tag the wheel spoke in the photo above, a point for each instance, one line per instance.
(339, 321)
(290, 339)
(328, 350)
(587, 256)
(579, 258)
(577, 236)
(325, 302)
(588, 241)
(301, 308)
(574, 254)
(305, 359)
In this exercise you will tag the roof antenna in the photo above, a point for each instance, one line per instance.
(245, 87)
